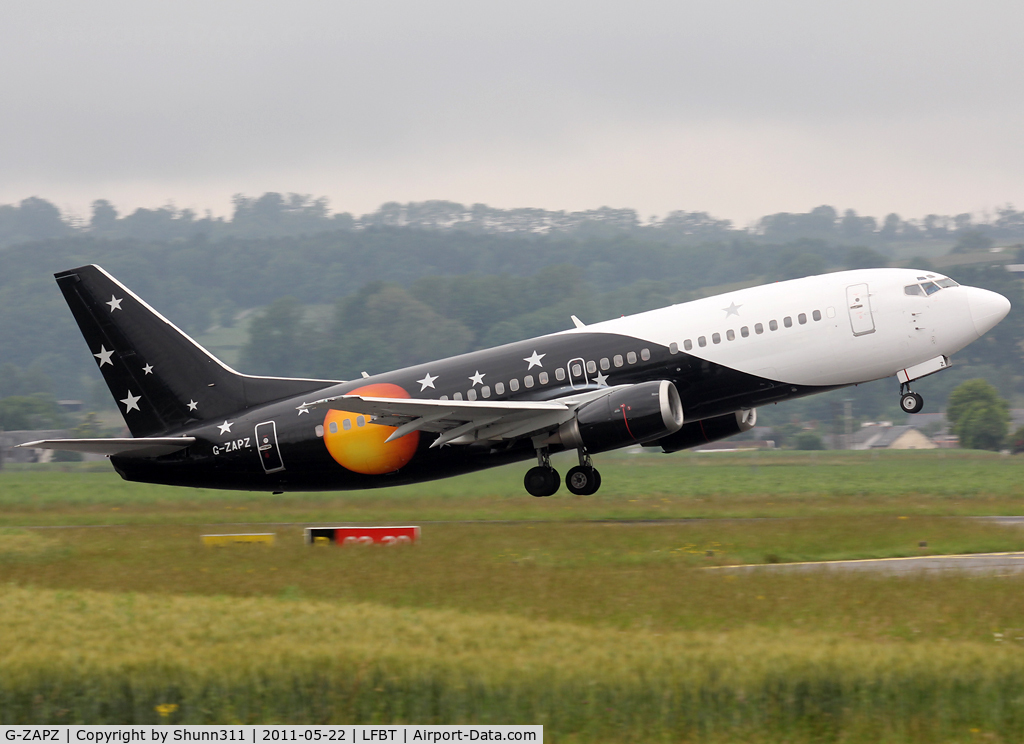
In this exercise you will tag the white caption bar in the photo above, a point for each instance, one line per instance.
(268, 734)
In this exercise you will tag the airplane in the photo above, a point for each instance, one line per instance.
(670, 378)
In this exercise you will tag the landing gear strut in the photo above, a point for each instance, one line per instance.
(583, 479)
(910, 402)
(542, 480)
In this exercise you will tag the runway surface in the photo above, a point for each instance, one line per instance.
(995, 564)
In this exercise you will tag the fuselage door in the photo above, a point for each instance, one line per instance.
(266, 445)
(577, 369)
(858, 301)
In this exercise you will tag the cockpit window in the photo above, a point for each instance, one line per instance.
(946, 283)
(931, 288)
(913, 290)
(928, 288)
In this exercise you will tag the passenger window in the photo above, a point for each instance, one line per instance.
(702, 342)
(631, 357)
(471, 394)
(605, 364)
(360, 421)
(802, 318)
(787, 321)
(513, 384)
(645, 354)
(499, 388)
(758, 328)
(319, 430)
(485, 391)
(457, 396)
(773, 325)
(444, 397)
(673, 348)
(528, 381)
(346, 424)
(543, 377)
(577, 370)
(617, 360)
(333, 427)
(816, 315)
(591, 367)
(914, 290)
(559, 374)
(744, 331)
(687, 344)
(730, 335)
(716, 338)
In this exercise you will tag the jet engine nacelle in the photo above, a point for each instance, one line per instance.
(695, 433)
(634, 414)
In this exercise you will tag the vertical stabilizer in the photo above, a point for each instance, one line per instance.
(161, 378)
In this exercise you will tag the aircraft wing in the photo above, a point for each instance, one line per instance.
(127, 447)
(462, 421)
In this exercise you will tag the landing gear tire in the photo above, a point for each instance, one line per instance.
(911, 402)
(542, 481)
(583, 480)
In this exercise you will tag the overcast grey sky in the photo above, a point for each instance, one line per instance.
(740, 108)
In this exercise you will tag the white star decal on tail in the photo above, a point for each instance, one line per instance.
(427, 382)
(225, 428)
(478, 378)
(104, 356)
(115, 303)
(148, 369)
(534, 360)
(132, 401)
(192, 405)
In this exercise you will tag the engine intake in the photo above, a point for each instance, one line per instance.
(694, 433)
(634, 414)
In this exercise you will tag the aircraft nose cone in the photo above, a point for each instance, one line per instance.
(987, 309)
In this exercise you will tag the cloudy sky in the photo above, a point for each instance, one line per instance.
(740, 108)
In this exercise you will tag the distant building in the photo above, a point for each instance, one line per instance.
(9, 440)
(891, 437)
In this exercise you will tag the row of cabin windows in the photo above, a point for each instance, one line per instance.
(730, 335)
(544, 379)
(346, 424)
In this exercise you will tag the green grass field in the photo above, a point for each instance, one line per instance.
(522, 610)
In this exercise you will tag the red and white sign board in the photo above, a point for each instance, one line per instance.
(363, 535)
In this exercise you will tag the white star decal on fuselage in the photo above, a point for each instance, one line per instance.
(601, 379)
(148, 369)
(192, 405)
(115, 303)
(427, 382)
(733, 309)
(478, 378)
(534, 360)
(225, 428)
(132, 401)
(104, 356)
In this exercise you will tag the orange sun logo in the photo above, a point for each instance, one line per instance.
(359, 446)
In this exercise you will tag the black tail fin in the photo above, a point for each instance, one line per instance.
(162, 379)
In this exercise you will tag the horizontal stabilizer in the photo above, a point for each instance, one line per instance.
(127, 447)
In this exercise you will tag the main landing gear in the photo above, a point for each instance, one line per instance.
(544, 480)
(910, 402)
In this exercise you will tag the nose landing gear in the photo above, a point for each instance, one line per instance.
(910, 402)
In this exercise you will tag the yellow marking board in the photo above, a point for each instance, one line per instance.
(261, 538)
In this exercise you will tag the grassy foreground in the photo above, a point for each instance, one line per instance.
(635, 486)
(100, 657)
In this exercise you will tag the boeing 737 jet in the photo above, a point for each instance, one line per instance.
(671, 378)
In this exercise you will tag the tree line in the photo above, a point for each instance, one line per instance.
(287, 215)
